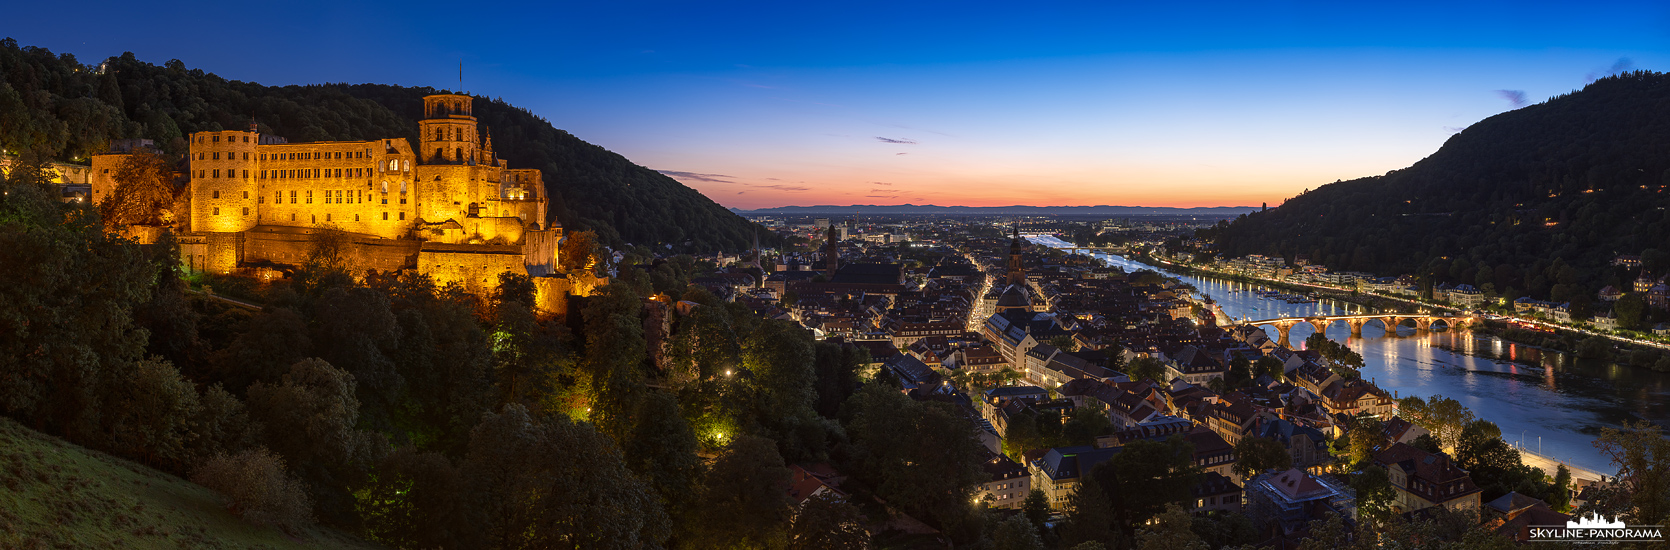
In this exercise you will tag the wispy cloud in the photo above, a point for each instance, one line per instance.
(881, 183)
(900, 141)
(694, 176)
(1516, 97)
(779, 187)
(901, 153)
(1454, 129)
(1621, 65)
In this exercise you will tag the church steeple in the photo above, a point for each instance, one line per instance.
(1017, 274)
(833, 255)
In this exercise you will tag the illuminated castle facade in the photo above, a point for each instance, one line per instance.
(447, 207)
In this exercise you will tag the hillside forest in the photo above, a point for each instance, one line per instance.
(59, 107)
(1533, 202)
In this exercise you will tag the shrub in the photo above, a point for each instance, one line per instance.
(256, 488)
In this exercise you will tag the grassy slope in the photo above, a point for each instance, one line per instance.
(54, 494)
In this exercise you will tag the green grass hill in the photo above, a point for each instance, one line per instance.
(54, 494)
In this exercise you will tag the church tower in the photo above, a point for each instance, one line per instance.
(447, 132)
(1017, 274)
(833, 255)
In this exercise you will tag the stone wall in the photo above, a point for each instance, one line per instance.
(476, 267)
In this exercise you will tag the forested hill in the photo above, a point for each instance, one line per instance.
(69, 110)
(1535, 201)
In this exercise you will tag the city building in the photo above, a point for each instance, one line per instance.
(1424, 480)
(1291, 499)
(1058, 472)
(1009, 485)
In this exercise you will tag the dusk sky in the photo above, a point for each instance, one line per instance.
(964, 103)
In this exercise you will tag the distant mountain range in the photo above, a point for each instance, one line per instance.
(1099, 210)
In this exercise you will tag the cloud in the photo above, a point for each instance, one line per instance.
(901, 153)
(1454, 129)
(1516, 97)
(881, 183)
(900, 141)
(708, 178)
(1621, 65)
(779, 187)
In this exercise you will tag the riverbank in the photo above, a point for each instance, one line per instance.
(1529, 392)
(1372, 303)
(1550, 337)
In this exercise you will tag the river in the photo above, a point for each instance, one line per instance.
(1541, 399)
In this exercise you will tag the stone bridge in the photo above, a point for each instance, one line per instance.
(1422, 322)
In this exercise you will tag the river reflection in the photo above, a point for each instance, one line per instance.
(1530, 393)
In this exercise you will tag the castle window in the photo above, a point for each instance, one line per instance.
(402, 214)
(385, 216)
(246, 210)
(246, 174)
(356, 217)
(310, 197)
(216, 139)
(217, 173)
(263, 156)
(385, 200)
(278, 197)
(217, 210)
(217, 193)
(246, 156)
(327, 217)
(292, 197)
(246, 140)
(407, 164)
(246, 194)
(292, 216)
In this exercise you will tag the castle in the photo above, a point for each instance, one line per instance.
(448, 207)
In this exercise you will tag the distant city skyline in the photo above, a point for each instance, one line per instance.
(969, 104)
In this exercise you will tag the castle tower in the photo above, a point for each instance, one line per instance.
(447, 132)
(224, 196)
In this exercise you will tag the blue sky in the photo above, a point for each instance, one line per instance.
(765, 104)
